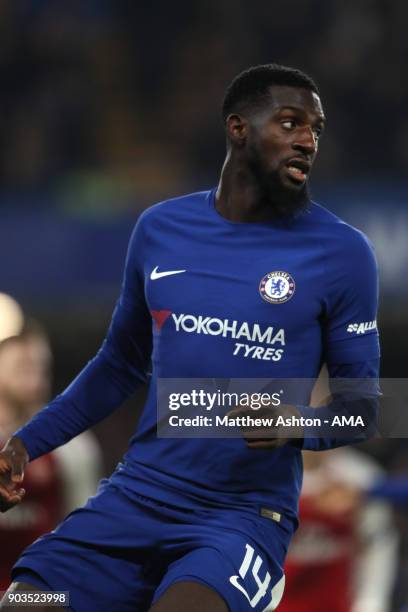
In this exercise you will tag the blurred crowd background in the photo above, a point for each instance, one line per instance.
(108, 106)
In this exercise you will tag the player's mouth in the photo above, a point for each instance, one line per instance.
(297, 169)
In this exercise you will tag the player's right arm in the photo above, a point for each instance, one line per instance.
(119, 367)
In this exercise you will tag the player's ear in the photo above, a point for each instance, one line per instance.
(237, 128)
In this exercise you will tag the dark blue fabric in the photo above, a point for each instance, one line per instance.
(121, 551)
(212, 320)
(393, 489)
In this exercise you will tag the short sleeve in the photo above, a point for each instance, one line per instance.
(350, 331)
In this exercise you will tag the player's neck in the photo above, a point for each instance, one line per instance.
(238, 197)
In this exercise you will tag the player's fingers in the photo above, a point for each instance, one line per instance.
(4, 464)
(6, 484)
(12, 501)
(261, 433)
(17, 469)
(245, 411)
(231, 414)
(12, 496)
(16, 498)
(265, 444)
(19, 494)
(6, 493)
(241, 410)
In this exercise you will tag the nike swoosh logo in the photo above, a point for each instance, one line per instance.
(155, 274)
(234, 581)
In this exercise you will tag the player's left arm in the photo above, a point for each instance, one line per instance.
(351, 347)
(356, 393)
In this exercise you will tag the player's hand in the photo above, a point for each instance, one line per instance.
(269, 436)
(13, 459)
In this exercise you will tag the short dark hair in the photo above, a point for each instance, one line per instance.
(250, 89)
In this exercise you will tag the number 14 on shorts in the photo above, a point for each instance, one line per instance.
(261, 584)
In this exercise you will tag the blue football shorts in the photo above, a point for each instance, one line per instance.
(122, 551)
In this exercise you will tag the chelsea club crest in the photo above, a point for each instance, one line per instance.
(277, 287)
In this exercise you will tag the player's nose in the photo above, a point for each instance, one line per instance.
(306, 141)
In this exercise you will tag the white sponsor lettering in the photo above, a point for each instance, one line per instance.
(229, 328)
(226, 328)
(251, 332)
(244, 331)
(202, 322)
(362, 328)
(189, 323)
(267, 354)
(258, 336)
(215, 327)
(177, 320)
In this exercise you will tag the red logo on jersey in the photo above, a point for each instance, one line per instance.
(160, 317)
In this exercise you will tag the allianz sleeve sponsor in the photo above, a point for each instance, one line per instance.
(362, 328)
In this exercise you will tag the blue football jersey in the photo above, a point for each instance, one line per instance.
(204, 297)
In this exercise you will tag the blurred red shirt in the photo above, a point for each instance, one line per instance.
(40, 511)
(320, 562)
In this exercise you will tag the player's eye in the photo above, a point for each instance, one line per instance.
(317, 132)
(288, 124)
